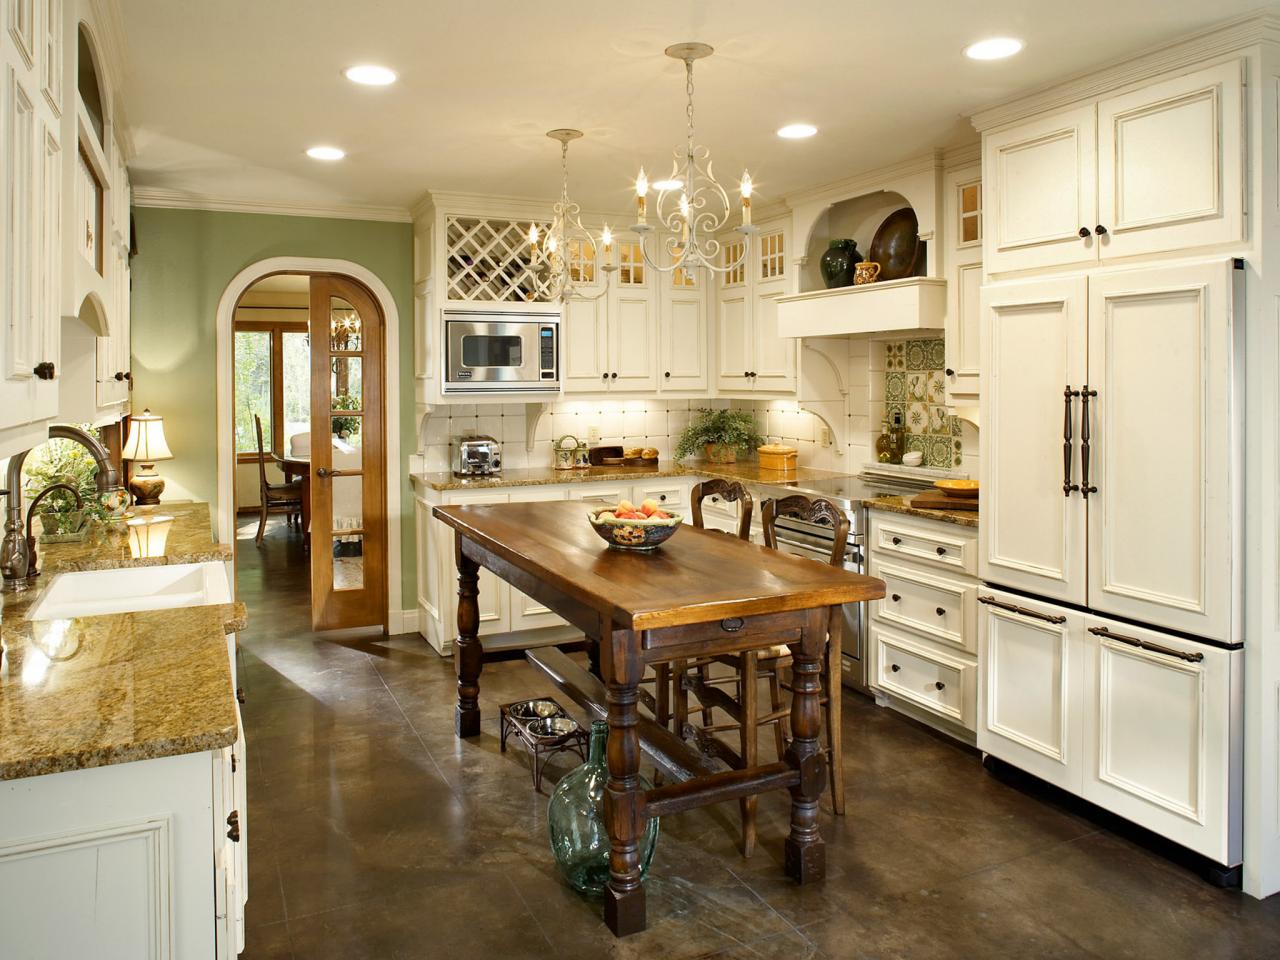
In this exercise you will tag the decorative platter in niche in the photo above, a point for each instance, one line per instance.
(896, 245)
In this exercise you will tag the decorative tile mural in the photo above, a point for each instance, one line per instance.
(915, 385)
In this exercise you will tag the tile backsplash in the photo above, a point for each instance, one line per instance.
(915, 386)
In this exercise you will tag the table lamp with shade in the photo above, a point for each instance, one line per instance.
(145, 446)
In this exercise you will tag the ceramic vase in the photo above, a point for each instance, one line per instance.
(575, 821)
(837, 264)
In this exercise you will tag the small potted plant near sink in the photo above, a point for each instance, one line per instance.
(61, 518)
(720, 434)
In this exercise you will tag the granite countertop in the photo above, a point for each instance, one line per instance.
(748, 471)
(93, 691)
(965, 518)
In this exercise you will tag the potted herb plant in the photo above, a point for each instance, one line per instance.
(63, 461)
(720, 434)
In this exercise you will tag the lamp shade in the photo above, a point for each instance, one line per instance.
(146, 443)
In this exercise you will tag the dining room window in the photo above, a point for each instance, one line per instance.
(273, 381)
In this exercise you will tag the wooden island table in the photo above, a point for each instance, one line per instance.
(702, 593)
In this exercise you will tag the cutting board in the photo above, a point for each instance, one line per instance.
(937, 500)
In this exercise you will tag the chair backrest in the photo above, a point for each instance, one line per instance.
(262, 456)
(733, 492)
(817, 510)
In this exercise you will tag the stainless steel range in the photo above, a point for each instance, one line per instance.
(814, 540)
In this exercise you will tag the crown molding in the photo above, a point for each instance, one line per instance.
(967, 155)
(867, 180)
(1223, 38)
(176, 200)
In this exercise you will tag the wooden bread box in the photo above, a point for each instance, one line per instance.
(777, 456)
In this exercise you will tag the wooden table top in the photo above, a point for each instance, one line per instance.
(695, 577)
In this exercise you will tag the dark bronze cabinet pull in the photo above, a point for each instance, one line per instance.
(667, 374)
(896, 541)
(949, 372)
(1147, 645)
(45, 370)
(896, 597)
(1023, 611)
(1100, 230)
(894, 667)
(233, 821)
(604, 376)
(239, 694)
(613, 376)
(942, 551)
(940, 611)
(1067, 486)
(939, 685)
(1084, 232)
(119, 376)
(1086, 488)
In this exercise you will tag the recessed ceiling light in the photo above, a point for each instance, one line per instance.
(993, 48)
(797, 131)
(326, 153)
(371, 75)
(668, 184)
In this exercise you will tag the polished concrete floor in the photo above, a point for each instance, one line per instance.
(373, 833)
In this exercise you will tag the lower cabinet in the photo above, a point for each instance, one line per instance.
(922, 636)
(1143, 723)
(507, 616)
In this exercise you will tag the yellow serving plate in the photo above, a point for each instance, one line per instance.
(958, 488)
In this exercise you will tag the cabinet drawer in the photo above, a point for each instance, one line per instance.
(670, 496)
(944, 545)
(600, 494)
(940, 682)
(943, 609)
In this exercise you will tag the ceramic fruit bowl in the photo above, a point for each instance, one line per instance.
(958, 488)
(634, 530)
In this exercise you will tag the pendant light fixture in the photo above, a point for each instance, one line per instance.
(567, 253)
(691, 206)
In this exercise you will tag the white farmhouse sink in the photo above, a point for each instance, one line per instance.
(127, 590)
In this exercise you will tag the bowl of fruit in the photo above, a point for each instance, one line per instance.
(631, 527)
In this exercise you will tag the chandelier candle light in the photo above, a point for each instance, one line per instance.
(703, 208)
(569, 251)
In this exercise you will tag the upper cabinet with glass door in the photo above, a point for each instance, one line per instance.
(962, 220)
(1155, 169)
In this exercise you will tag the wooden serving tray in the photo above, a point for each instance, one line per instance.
(937, 500)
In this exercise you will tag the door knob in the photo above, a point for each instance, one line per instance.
(323, 472)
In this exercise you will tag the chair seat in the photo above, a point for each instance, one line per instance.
(283, 492)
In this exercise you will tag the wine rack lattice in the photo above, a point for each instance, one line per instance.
(488, 259)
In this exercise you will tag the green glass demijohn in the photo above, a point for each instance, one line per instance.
(575, 821)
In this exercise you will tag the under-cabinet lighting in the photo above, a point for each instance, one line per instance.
(797, 131)
(993, 48)
(326, 153)
(371, 75)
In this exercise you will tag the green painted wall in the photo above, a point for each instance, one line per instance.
(185, 260)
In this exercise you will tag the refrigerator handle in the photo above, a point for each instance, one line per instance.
(1022, 611)
(1067, 486)
(1086, 487)
(1147, 645)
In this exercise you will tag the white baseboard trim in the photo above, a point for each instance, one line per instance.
(402, 621)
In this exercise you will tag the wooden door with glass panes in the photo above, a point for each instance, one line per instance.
(348, 498)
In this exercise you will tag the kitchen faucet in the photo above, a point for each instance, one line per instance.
(17, 560)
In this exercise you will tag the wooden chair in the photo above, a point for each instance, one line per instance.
(273, 495)
(771, 665)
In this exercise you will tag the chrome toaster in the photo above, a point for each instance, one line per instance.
(477, 456)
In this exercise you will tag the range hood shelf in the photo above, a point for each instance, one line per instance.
(916, 303)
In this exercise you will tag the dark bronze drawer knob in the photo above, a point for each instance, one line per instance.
(895, 597)
(44, 370)
(233, 821)
(941, 612)
(1084, 232)
(894, 667)
(896, 541)
(942, 551)
(1100, 230)
(732, 624)
(239, 694)
(662, 497)
(940, 685)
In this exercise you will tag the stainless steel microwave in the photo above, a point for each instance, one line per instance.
(501, 352)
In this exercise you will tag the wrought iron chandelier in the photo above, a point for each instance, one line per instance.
(567, 254)
(691, 206)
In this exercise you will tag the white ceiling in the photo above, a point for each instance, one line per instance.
(223, 97)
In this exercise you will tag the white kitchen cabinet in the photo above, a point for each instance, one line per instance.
(1162, 734)
(751, 356)
(1156, 169)
(1171, 164)
(1041, 191)
(1034, 343)
(1031, 688)
(584, 349)
(922, 675)
(683, 342)
(633, 340)
(1160, 529)
(963, 330)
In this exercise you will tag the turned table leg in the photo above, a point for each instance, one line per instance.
(805, 855)
(467, 652)
(624, 904)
